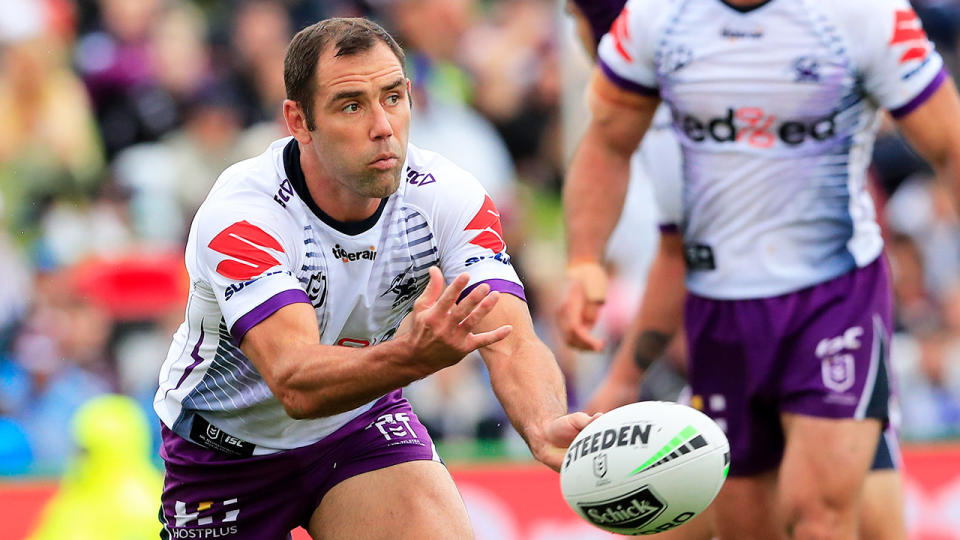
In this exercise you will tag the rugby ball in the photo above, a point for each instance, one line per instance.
(645, 468)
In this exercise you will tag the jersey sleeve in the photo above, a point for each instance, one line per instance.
(900, 67)
(470, 239)
(626, 52)
(249, 265)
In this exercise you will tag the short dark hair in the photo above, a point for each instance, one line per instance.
(349, 35)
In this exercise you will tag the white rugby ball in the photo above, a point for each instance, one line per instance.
(645, 468)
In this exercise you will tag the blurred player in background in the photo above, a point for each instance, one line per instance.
(280, 396)
(788, 316)
(660, 317)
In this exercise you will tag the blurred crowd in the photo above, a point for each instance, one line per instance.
(116, 117)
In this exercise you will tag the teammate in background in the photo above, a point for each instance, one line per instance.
(280, 396)
(788, 314)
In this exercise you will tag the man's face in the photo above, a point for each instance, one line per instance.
(362, 118)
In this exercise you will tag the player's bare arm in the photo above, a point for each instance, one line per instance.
(593, 198)
(527, 381)
(659, 318)
(313, 380)
(933, 129)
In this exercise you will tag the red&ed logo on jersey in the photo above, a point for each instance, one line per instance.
(908, 31)
(246, 245)
(487, 221)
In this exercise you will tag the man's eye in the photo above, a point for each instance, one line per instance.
(351, 108)
(393, 99)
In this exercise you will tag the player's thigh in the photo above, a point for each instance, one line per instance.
(746, 508)
(881, 506)
(825, 461)
(412, 500)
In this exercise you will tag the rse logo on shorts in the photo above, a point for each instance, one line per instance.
(246, 246)
(395, 426)
(210, 519)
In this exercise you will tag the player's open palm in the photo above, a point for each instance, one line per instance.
(441, 330)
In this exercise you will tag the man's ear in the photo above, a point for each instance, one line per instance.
(409, 94)
(296, 121)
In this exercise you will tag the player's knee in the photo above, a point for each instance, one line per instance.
(814, 515)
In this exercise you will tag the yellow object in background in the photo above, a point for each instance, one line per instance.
(111, 490)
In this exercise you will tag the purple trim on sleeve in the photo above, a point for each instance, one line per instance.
(501, 285)
(904, 110)
(669, 228)
(269, 306)
(626, 84)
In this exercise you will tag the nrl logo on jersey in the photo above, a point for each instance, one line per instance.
(368, 254)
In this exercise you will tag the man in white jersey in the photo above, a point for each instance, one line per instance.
(280, 396)
(775, 104)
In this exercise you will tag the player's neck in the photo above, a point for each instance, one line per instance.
(330, 196)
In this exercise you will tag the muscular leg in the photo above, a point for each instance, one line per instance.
(822, 474)
(881, 510)
(412, 500)
(745, 508)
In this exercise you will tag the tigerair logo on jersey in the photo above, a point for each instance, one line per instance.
(368, 254)
(487, 221)
(757, 128)
(209, 519)
(909, 36)
(248, 248)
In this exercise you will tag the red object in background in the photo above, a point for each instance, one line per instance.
(134, 287)
(523, 501)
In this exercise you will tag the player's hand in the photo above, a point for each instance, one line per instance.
(441, 330)
(584, 295)
(557, 437)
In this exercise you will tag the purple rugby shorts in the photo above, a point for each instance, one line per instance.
(209, 494)
(821, 351)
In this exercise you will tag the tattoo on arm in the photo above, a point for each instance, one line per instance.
(650, 346)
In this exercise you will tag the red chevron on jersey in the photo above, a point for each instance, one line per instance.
(620, 33)
(246, 246)
(907, 30)
(488, 221)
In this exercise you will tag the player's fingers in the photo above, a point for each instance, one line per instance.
(477, 341)
(449, 296)
(480, 311)
(571, 311)
(590, 312)
(466, 306)
(432, 291)
(582, 339)
(561, 431)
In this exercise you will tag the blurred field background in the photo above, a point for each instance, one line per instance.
(116, 116)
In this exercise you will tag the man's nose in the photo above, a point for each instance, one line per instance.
(381, 127)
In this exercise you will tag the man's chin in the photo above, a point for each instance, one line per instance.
(383, 184)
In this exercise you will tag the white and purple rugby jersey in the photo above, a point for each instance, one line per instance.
(259, 242)
(776, 108)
